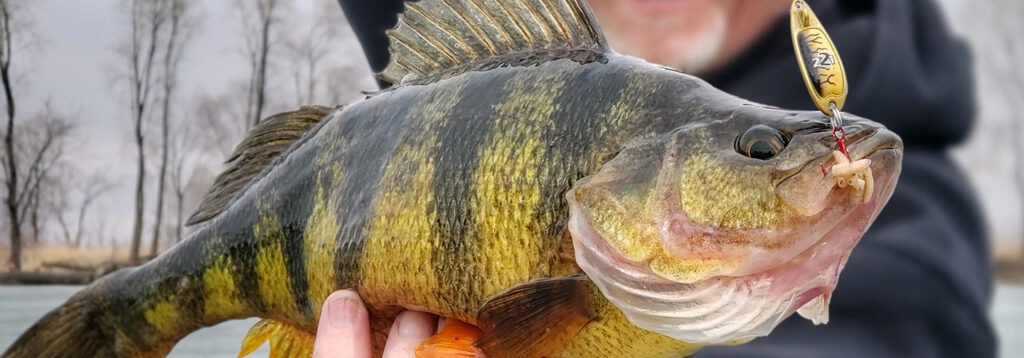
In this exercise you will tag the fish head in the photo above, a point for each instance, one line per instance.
(716, 231)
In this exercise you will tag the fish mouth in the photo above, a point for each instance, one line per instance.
(731, 309)
(810, 189)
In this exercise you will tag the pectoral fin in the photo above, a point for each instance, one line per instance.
(537, 318)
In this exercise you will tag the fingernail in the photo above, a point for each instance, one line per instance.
(410, 325)
(342, 311)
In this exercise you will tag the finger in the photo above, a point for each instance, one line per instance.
(344, 329)
(408, 331)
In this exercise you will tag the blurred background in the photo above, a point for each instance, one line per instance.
(94, 83)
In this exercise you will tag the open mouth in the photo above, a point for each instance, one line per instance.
(722, 308)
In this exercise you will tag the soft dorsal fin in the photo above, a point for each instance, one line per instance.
(261, 146)
(447, 37)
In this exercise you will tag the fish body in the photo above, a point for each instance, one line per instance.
(491, 194)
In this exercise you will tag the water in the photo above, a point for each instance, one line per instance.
(1008, 312)
(20, 306)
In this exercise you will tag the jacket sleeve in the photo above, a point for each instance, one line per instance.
(918, 284)
(369, 20)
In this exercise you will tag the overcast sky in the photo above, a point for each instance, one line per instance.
(74, 65)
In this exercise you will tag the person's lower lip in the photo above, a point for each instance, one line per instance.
(658, 7)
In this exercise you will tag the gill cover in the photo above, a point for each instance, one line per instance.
(629, 262)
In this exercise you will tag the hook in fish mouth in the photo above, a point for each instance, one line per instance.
(809, 191)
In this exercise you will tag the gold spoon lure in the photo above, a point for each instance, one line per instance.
(826, 82)
(819, 62)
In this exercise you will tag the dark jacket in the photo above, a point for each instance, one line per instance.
(919, 283)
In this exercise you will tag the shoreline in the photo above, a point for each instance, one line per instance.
(1009, 271)
(62, 264)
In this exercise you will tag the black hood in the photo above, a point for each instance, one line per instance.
(919, 76)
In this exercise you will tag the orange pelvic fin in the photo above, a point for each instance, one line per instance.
(285, 340)
(455, 339)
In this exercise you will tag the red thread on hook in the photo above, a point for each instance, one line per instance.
(840, 136)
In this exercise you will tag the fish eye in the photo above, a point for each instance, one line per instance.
(761, 142)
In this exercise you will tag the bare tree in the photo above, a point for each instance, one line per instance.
(34, 203)
(308, 47)
(102, 232)
(219, 115)
(323, 67)
(10, 163)
(176, 40)
(39, 152)
(147, 18)
(32, 150)
(87, 191)
(182, 167)
(258, 19)
(42, 147)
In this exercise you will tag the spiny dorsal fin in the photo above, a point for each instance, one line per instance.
(448, 36)
(264, 143)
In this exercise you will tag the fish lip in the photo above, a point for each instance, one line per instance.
(864, 143)
(860, 144)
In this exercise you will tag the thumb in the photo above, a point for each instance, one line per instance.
(344, 329)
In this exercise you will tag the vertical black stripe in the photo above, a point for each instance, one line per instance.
(243, 248)
(459, 144)
(295, 263)
(370, 132)
(294, 205)
(583, 113)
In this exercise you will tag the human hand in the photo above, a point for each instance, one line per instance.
(344, 330)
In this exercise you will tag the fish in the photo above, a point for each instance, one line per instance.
(521, 177)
